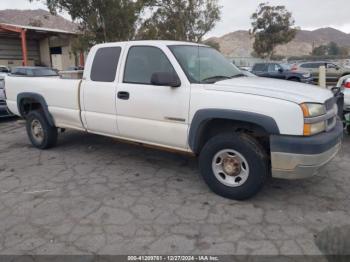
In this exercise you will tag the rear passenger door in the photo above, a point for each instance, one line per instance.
(98, 91)
(149, 113)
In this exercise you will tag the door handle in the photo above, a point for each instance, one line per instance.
(123, 95)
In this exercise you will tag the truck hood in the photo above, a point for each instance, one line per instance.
(280, 89)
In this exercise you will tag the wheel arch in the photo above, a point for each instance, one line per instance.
(221, 119)
(27, 102)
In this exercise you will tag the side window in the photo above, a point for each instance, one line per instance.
(19, 71)
(143, 62)
(29, 72)
(260, 67)
(331, 66)
(104, 66)
(307, 66)
(273, 68)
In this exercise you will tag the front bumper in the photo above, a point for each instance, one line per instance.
(302, 157)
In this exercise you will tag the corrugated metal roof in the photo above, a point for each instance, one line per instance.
(38, 29)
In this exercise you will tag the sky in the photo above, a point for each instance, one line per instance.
(308, 14)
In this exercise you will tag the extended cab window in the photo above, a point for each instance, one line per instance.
(104, 67)
(143, 62)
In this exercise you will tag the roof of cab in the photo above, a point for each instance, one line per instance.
(150, 42)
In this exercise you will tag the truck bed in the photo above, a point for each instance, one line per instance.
(61, 95)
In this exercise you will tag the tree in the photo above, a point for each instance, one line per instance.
(271, 26)
(213, 44)
(101, 20)
(184, 20)
(332, 49)
(321, 50)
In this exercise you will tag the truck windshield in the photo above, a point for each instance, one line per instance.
(204, 64)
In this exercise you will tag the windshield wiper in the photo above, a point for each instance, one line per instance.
(220, 78)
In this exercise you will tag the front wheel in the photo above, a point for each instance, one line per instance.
(41, 134)
(234, 166)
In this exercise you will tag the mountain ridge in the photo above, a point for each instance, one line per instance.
(240, 44)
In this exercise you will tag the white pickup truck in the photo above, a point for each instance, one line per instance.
(188, 97)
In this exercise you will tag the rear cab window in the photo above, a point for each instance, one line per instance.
(105, 64)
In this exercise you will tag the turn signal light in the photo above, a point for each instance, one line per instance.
(307, 130)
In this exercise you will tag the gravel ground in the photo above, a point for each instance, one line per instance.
(94, 195)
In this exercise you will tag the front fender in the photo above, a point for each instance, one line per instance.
(205, 115)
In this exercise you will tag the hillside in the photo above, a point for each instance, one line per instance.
(39, 18)
(240, 44)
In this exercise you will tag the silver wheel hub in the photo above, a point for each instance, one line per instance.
(230, 168)
(37, 131)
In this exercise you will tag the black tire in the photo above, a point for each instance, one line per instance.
(48, 134)
(254, 155)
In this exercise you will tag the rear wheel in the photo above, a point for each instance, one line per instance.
(41, 134)
(234, 166)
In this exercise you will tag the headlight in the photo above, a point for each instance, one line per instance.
(314, 129)
(311, 110)
(306, 75)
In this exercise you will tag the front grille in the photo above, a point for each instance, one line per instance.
(332, 112)
(2, 103)
(330, 103)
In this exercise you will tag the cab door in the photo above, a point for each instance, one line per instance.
(98, 90)
(145, 112)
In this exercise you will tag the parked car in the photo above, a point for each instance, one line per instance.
(4, 70)
(281, 71)
(333, 73)
(189, 98)
(34, 72)
(4, 112)
(344, 83)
